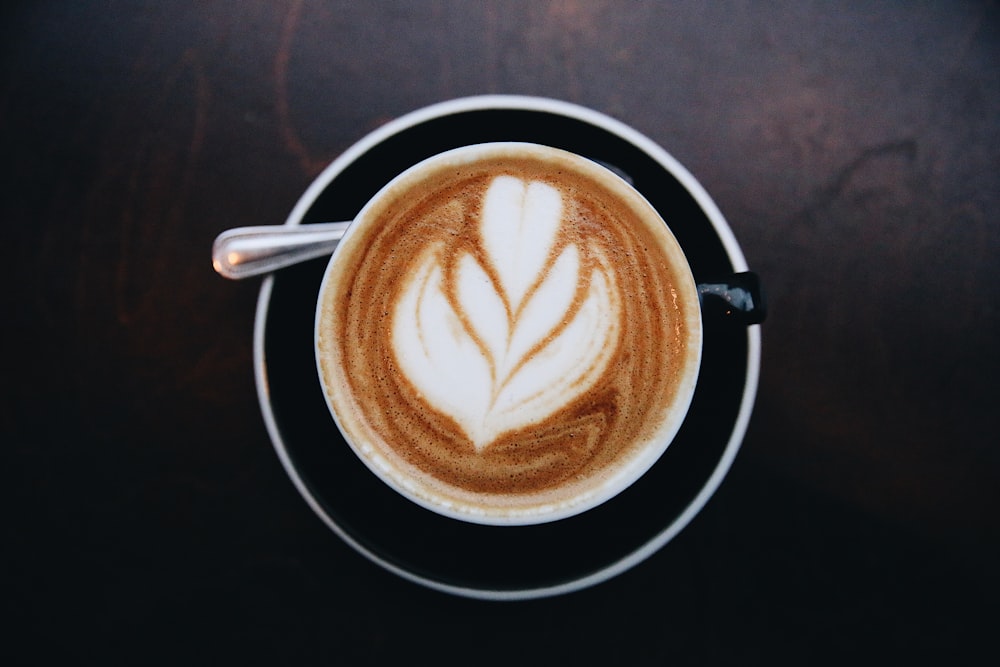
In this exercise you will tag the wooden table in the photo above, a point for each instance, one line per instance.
(852, 147)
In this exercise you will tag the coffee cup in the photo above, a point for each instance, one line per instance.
(508, 334)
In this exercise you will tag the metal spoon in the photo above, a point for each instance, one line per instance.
(244, 252)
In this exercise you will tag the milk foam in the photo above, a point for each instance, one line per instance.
(503, 343)
(508, 334)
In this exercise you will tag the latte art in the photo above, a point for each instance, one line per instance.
(503, 343)
(508, 333)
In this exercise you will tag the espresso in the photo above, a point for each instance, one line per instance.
(508, 334)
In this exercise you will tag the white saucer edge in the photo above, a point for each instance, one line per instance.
(652, 149)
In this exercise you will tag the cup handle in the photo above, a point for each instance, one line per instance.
(738, 297)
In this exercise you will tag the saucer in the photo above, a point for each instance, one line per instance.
(507, 562)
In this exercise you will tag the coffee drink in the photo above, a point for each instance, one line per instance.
(508, 333)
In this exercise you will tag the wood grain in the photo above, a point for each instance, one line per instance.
(853, 149)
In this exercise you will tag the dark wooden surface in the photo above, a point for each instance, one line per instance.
(852, 146)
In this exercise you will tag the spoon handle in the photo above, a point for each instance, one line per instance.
(251, 251)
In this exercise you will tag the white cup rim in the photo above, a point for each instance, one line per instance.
(637, 464)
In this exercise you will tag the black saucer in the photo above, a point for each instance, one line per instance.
(486, 561)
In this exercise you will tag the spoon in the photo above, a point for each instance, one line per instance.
(245, 252)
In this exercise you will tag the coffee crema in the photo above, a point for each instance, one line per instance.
(508, 334)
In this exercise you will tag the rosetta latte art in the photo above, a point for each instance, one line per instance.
(503, 338)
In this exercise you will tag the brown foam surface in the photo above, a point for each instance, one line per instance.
(581, 444)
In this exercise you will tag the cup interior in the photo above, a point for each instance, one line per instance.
(501, 510)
